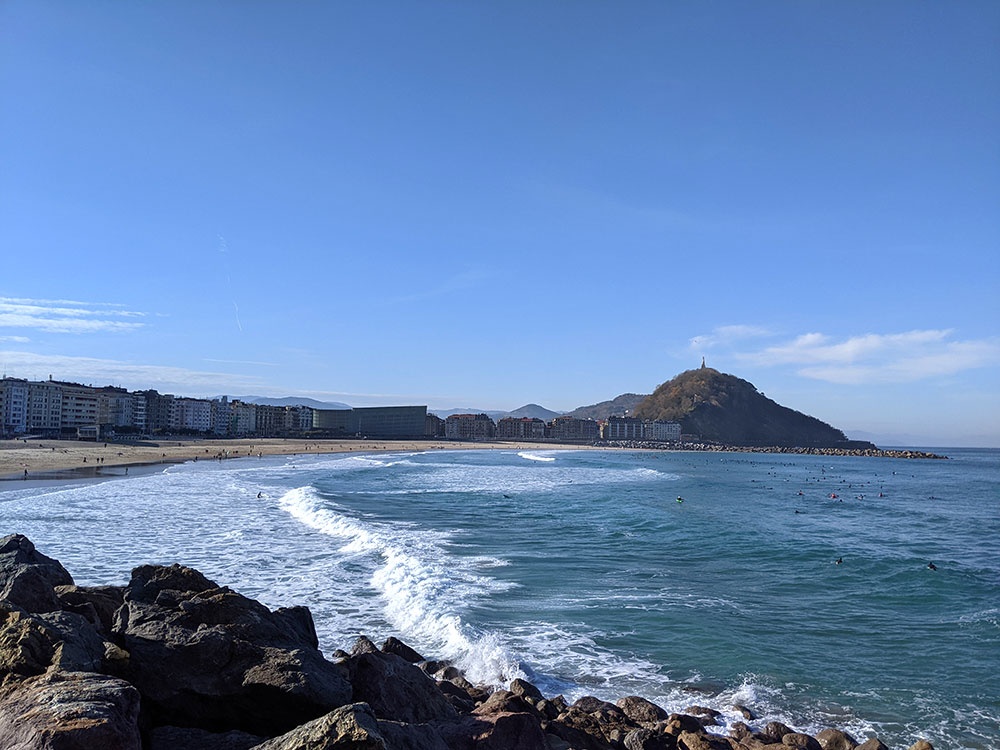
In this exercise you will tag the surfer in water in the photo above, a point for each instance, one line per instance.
(931, 566)
(680, 499)
(260, 495)
(840, 561)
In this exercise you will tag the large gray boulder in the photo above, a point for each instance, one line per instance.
(395, 689)
(27, 577)
(32, 644)
(834, 739)
(207, 657)
(641, 710)
(351, 727)
(70, 711)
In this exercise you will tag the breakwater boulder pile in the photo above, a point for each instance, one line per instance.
(173, 661)
(799, 451)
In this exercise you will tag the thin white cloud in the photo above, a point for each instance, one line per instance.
(133, 376)
(16, 339)
(57, 316)
(722, 335)
(241, 362)
(879, 358)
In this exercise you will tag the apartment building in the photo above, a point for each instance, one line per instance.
(469, 427)
(524, 428)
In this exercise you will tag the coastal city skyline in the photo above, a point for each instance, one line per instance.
(482, 208)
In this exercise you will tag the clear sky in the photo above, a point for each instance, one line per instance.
(492, 203)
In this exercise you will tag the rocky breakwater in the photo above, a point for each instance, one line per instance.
(798, 451)
(173, 661)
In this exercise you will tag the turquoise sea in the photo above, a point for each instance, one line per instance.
(580, 571)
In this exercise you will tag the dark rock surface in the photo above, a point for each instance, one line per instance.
(207, 657)
(70, 711)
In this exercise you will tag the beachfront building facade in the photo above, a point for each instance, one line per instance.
(243, 418)
(523, 428)
(622, 428)
(661, 431)
(193, 414)
(572, 429)
(220, 416)
(78, 406)
(13, 407)
(433, 426)
(44, 407)
(115, 407)
(469, 427)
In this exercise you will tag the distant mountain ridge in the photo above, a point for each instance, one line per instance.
(528, 410)
(616, 407)
(726, 409)
(290, 401)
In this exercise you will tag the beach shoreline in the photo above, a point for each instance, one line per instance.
(64, 460)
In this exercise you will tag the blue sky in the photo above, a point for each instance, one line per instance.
(486, 204)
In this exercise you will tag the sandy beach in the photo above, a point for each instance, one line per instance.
(46, 456)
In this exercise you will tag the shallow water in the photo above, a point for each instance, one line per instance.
(580, 571)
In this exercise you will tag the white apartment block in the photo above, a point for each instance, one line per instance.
(13, 406)
(192, 414)
(244, 418)
(138, 411)
(661, 431)
(79, 405)
(44, 406)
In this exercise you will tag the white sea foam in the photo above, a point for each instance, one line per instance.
(534, 456)
(423, 589)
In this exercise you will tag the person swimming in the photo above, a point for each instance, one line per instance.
(840, 561)
(931, 566)
(260, 495)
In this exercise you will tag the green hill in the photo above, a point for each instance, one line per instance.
(726, 409)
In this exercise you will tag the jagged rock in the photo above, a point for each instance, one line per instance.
(27, 577)
(432, 667)
(800, 741)
(505, 731)
(677, 723)
(351, 727)
(641, 710)
(702, 741)
(70, 711)
(872, 743)
(208, 657)
(448, 673)
(740, 731)
(399, 736)
(645, 739)
(526, 690)
(400, 649)
(555, 742)
(31, 644)
(921, 745)
(775, 730)
(363, 646)
(834, 739)
(186, 738)
(97, 603)
(589, 704)
(743, 711)
(547, 708)
(504, 701)
(395, 689)
(457, 696)
(582, 731)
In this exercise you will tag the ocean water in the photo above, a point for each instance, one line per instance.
(581, 572)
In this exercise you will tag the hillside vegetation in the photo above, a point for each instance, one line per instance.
(616, 407)
(727, 409)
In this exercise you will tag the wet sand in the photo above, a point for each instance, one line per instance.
(73, 459)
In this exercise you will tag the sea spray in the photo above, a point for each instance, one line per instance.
(422, 589)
